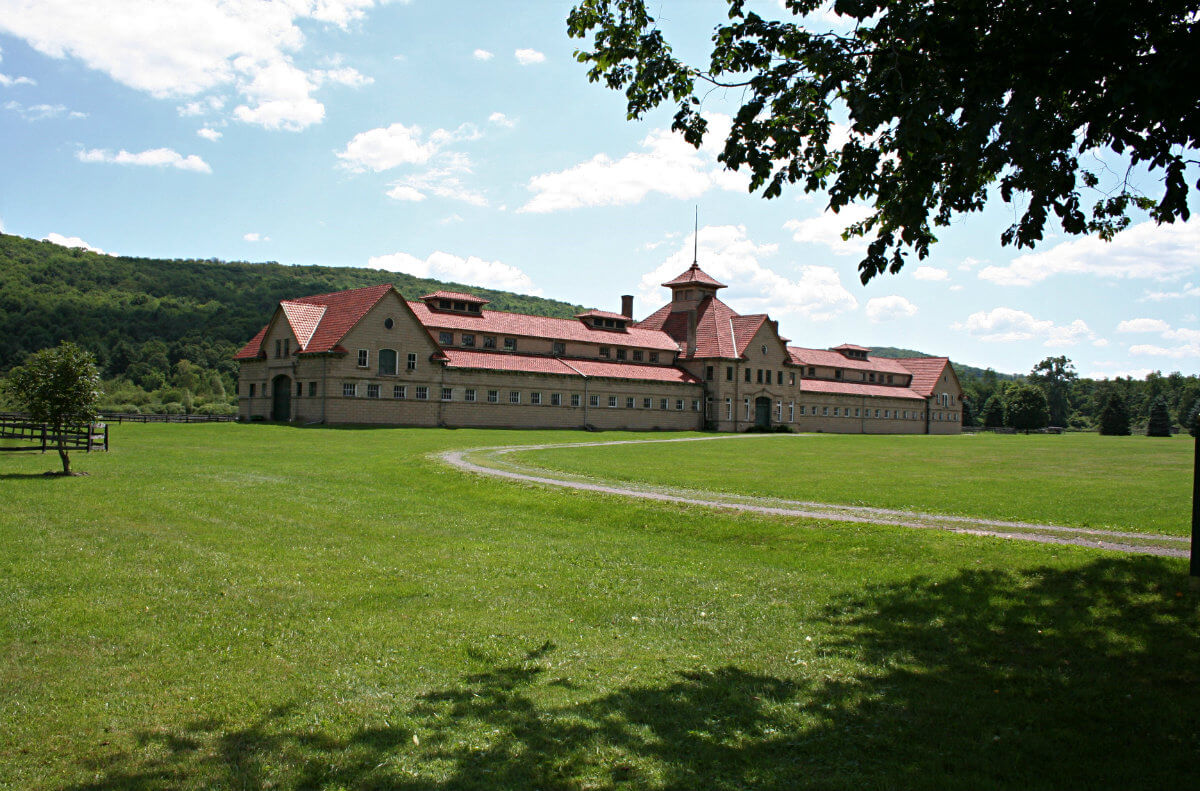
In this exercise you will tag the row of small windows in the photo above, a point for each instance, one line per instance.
(802, 410)
(387, 359)
(472, 395)
(470, 340)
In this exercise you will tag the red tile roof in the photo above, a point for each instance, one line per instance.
(720, 330)
(252, 350)
(518, 324)
(304, 319)
(851, 347)
(832, 359)
(824, 386)
(603, 314)
(692, 276)
(523, 363)
(457, 295)
(925, 372)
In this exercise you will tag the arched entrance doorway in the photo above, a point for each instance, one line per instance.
(762, 412)
(281, 398)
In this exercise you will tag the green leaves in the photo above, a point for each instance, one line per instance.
(944, 101)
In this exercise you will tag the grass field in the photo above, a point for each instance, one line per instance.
(1140, 484)
(253, 607)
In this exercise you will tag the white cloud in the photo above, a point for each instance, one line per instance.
(1143, 325)
(193, 48)
(668, 166)
(827, 228)
(890, 308)
(1187, 341)
(209, 134)
(343, 75)
(72, 241)
(254, 236)
(527, 57)
(482, 54)
(445, 182)
(470, 270)
(1006, 325)
(726, 253)
(500, 119)
(8, 82)
(209, 104)
(154, 157)
(1188, 290)
(388, 147)
(931, 273)
(1145, 250)
(42, 112)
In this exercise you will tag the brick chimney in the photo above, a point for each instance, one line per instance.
(627, 305)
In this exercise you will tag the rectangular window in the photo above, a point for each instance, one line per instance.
(812, 371)
(251, 393)
(760, 373)
(400, 391)
(637, 355)
(558, 348)
(837, 374)
(446, 338)
(857, 413)
(387, 362)
(729, 373)
(653, 357)
(412, 362)
(779, 378)
(535, 398)
(802, 409)
(514, 396)
(887, 413)
(574, 399)
(510, 344)
(662, 403)
(876, 413)
(493, 396)
(603, 351)
(469, 395)
(447, 393)
(836, 412)
(363, 358)
(749, 374)
(647, 403)
(678, 404)
(708, 373)
(349, 390)
(422, 393)
(729, 407)
(871, 377)
(372, 391)
(791, 411)
(825, 411)
(889, 378)
(695, 404)
(612, 401)
(556, 399)
(278, 348)
(299, 389)
(629, 402)
(489, 342)
(620, 354)
(312, 389)
(468, 339)
(778, 411)
(792, 378)
(287, 347)
(746, 404)
(594, 400)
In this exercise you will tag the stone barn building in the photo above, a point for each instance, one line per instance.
(368, 355)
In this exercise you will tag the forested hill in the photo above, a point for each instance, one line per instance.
(200, 310)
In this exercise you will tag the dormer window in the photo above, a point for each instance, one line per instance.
(445, 304)
(454, 302)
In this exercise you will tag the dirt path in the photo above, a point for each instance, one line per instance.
(491, 461)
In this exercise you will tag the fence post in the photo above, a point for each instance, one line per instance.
(43, 438)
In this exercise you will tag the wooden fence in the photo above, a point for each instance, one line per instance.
(93, 436)
(125, 417)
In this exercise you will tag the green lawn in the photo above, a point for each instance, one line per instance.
(253, 607)
(1140, 484)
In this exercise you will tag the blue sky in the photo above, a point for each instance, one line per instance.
(461, 140)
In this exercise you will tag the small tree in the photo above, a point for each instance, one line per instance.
(58, 387)
(993, 411)
(1114, 416)
(1025, 408)
(1160, 419)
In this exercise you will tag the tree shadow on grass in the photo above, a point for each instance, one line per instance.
(989, 679)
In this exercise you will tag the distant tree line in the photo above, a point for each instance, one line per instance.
(164, 332)
(1052, 394)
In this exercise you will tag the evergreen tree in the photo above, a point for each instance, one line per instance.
(1114, 416)
(1025, 408)
(993, 411)
(1160, 419)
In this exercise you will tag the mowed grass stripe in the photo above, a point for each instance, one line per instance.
(1135, 484)
(228, 606)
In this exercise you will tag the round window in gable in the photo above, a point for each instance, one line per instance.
(389, 323)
